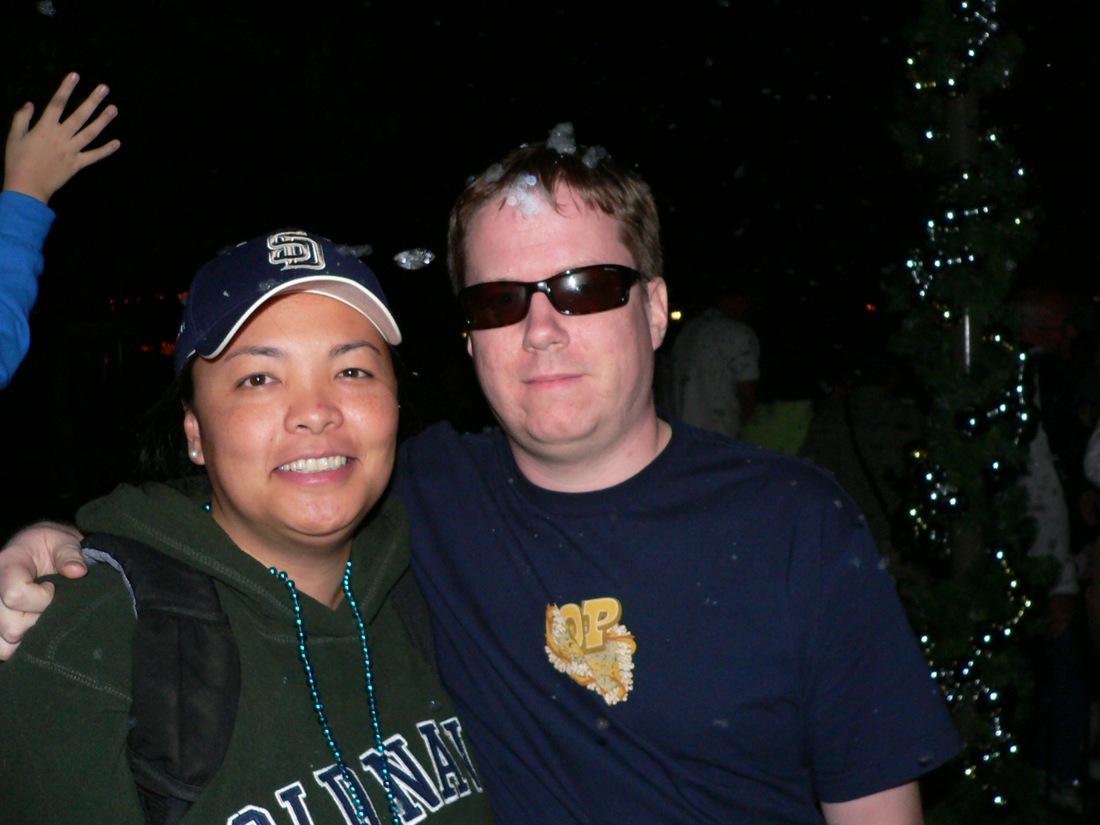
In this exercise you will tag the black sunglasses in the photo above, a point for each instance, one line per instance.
(580, 291)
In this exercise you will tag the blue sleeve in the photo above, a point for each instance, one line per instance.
(879, 720)
(24, 223)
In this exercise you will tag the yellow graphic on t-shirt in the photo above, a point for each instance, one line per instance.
(586, 642)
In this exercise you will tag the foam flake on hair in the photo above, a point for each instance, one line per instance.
(527, 196)
(593, 155)
(561, 139)
(493, 173)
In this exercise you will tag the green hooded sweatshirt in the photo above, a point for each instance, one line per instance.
(65, 700)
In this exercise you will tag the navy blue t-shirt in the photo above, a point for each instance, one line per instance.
(714, 640)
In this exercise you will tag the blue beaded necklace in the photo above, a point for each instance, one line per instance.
(303, 652)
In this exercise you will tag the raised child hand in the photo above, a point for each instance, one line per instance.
(40, 160)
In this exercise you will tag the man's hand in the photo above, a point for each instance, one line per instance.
(39, 161)
(41, 550)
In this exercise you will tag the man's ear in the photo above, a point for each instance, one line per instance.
(657, 309)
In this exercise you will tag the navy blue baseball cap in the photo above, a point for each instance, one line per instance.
(228, 290)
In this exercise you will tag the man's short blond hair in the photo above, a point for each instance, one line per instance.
(590, 173)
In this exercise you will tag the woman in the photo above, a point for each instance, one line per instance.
(289, 403)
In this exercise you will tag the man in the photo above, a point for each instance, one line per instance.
(716, 367)
(1060, 500)
(38, 162)
(639, 621)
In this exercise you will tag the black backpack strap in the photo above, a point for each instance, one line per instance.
(409, 602)
(186, 677)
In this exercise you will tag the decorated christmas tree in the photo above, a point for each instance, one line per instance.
(968, 581)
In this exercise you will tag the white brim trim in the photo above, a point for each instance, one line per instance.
(344, 290)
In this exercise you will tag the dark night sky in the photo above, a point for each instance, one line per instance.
(762, 127)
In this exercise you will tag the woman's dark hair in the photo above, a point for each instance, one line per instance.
(162, 445)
